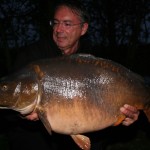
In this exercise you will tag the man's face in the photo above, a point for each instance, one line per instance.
(67, 29)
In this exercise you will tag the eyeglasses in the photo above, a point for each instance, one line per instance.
(65, 24)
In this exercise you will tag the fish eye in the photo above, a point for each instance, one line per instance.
(5, 87)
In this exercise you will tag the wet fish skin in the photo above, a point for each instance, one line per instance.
(19, 90)
(75, 94)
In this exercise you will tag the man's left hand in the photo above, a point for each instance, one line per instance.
(131, 114)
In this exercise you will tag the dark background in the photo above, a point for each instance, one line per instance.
(119, 30)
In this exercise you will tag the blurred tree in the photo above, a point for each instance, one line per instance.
(125, 24)
(18, 26)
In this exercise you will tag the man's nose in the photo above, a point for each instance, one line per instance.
(59, 27)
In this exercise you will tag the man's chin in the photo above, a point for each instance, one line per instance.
(62, 47)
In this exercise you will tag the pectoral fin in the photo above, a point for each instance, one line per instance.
(43, 118)
(82, 141)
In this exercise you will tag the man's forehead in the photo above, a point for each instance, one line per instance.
(63, 20)
(65, 13)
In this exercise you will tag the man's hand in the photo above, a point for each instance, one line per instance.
(131, 114)
(33, 116)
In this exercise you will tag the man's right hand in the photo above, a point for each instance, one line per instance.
(33, 116)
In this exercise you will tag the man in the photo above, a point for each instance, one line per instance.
(69, 24)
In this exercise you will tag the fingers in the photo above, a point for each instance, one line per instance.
(127, 121)
(131, 108)
(131, 114)
(32, 117)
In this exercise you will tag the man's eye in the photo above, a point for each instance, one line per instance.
(55, 23)
(5, 88)
(67, 24)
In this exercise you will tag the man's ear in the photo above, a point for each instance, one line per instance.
(84, 28)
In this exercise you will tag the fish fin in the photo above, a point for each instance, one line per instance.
(38, 71)
(82, 141)
(119, 120)
(45, 122)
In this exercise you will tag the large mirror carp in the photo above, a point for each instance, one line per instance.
(75, 94)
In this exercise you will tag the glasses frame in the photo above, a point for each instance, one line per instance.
(64, 24)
